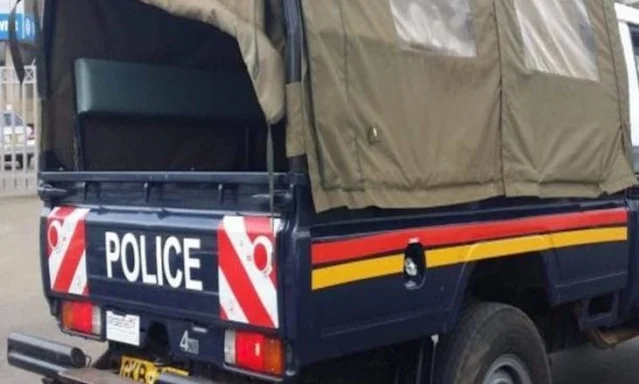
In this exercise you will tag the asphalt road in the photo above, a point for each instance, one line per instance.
(22, 308)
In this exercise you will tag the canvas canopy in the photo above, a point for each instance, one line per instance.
(422, 103)
(426, 103)
(244, 20)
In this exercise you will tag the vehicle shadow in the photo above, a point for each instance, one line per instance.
(590, 366)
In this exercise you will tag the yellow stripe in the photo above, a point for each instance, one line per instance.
(389, 265)
(358, 270)
(508, 247)
(591, 236)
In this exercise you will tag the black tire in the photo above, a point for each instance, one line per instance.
(484, 335)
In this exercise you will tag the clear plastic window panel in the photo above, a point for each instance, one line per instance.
(443, 27)
(558, 38)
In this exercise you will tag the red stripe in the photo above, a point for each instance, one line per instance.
(86, 290)
(71, 260)
(240, 283)
(62, 212)
(258, 226)
(345, 250)
(223, 315)
(261, 226)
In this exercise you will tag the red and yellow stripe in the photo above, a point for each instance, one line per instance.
(346, 261)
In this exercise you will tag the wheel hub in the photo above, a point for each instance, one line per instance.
(508, 369)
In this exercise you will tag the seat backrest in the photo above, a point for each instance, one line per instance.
(121, 89)
(133, 98)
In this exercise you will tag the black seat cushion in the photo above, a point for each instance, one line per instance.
(111, 88)
(146, 117)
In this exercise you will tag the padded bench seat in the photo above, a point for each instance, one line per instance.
(129, 89)
(129, 99)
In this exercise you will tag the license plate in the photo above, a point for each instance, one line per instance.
(123, 328)
(145, 371)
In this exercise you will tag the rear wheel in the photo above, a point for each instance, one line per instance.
(493, 344)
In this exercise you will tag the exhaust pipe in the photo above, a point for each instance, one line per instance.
(45, 352)
(35, 365)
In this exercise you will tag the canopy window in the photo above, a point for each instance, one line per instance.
(440, 26)
(558, 37)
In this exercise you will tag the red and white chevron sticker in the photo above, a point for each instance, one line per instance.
(247, 277)
(66, 250)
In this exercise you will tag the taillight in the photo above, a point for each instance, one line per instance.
(82, 317)
(254, 351)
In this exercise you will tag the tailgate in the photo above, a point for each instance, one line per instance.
(198, 265)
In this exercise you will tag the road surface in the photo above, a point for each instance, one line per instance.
(22, 308)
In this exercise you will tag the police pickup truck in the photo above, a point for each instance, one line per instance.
(194, 230)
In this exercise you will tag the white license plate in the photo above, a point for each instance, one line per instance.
(123, 328)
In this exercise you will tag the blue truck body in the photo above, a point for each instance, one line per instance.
(324, 320)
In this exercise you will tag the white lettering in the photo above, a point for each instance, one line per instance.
(147, 278)
(131, 274)
(112, 241)
(174, 280)
(130, 252)
(191, 263)
(189, 345)
(158, 260)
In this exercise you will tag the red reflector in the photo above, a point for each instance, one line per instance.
(255, 352)
(81, 317)
(249, 350)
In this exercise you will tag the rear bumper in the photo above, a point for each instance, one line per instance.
(64, 364)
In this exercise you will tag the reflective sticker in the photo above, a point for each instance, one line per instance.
(247, 271)
(66, 250)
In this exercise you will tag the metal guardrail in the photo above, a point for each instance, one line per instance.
(19, 132)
